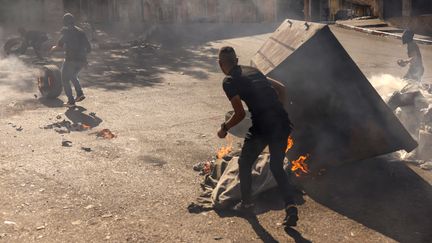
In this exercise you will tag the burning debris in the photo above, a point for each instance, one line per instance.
(105, 133)
(221, 186)
(298, 166)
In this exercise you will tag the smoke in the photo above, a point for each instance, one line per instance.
(387, 84)
(16, 76)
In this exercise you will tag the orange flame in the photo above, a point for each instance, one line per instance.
(222, 152)
(290, 144)
(299, 165)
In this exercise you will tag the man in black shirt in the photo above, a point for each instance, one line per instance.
(271, 126)
(416, 69)
(76, 45)
(34, 39)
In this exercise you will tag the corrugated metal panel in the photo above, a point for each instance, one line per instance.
(337, 114)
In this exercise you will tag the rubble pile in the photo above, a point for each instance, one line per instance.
(413, 106)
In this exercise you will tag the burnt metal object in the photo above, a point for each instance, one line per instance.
(14, 46)
(337, 115)
(49, 82)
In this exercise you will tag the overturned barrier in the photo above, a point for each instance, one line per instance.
(338, 116)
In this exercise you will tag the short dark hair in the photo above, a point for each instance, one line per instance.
(227, 53)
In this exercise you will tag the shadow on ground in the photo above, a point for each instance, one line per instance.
(387, 197)
(262, 233)
(181, 49)
(51, 103)
(270, 200)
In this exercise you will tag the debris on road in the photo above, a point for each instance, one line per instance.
(77, 222)
(108, 215)
(9, 222)
(426, 166)
(204, 167)
(90, 206)
(40, 227)
(86, 149)
(62, 130)
(64, 123)
(66, 143)
(105, 133)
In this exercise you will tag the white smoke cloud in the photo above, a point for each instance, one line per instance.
(387, 84)
(16, 77)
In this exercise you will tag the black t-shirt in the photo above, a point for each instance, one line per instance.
(76, 44)
(258, 93)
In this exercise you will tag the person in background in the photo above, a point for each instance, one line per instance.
(76, 45)
(416, 69)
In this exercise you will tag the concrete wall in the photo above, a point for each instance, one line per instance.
(31, 13)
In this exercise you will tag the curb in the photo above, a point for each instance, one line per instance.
(381, 33)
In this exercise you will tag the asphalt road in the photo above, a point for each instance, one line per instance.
(165, 108)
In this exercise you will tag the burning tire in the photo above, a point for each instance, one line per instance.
(14, 46)
(49, 82)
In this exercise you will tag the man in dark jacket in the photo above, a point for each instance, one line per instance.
(416, 69)
(76, 45)
(270, 126)
(34, 39)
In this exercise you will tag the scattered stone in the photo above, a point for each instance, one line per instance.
(92, 221)
(105, 133)
(427, 166)
(9, 222)
(108, 215)
(86, 149)
(42, 190)
(217, 238)
(35, 95)
(107, 237)
(92, 114)
(77, 222)
(66, 143)
(89, 206)
(19, 129)
(59, 116)
(62, 130)
(40, 227)
(2, 235)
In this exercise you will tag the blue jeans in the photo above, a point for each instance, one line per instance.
(70, 71)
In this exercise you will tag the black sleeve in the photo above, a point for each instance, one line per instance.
(87, 44)
(229, 88)
(60, 42)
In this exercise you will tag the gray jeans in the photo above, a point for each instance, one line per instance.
(70, 71)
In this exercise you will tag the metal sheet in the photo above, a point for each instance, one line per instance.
(338, 116)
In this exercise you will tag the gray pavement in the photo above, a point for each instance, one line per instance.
(136, 187)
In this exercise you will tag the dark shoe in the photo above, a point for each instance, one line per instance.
(244, 208)
(291, 217)
(80, 98)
